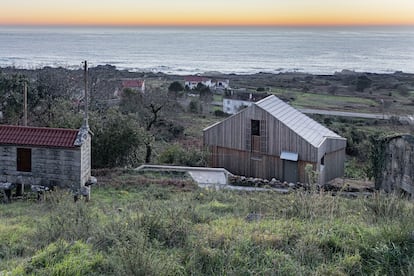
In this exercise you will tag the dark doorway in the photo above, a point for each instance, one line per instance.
(290, 171)
(256, 167)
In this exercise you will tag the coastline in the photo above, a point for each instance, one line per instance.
(213, 74)
(241, 51)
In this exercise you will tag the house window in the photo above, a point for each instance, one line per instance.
(323, 160)
(24, 160)
(256, 127)
(255, 132)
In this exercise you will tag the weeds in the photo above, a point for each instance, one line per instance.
(63, 258)
(147, 229)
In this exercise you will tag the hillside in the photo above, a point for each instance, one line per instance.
(390, 93)
(143, 225)
(166, 128)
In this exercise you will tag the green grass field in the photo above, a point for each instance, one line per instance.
(323, 101)
(140, 225)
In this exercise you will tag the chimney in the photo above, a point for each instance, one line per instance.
(85, 115)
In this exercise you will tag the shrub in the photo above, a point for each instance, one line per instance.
(63, 258)
(175, 86)
(362, 83)
(355, 170)
(194, 107)
(66, 221)
(117, 141)
(220, 113)
(168, 130)
(133, 254)
(177, 155)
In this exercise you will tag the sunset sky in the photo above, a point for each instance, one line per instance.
(207, 12)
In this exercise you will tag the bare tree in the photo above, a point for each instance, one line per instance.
(52, 87)
(149, 108)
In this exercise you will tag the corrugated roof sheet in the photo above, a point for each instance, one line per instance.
(310, 130)
(38, 136)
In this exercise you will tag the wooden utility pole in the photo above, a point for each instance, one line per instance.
(25, 103)
(85, 115)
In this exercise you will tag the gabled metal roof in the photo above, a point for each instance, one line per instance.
(307, 128)
(38, 136)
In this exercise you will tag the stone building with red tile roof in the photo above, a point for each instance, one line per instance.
(138, 85)
(45, 157)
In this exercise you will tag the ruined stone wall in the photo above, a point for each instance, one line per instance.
(398, 172)
(86, 160)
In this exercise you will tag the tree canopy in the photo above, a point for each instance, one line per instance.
(175, 87)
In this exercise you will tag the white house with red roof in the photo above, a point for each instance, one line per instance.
(45, 157)
(138, 85)
(133, 84)
(192, 81)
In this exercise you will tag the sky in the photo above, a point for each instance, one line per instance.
(207, 12)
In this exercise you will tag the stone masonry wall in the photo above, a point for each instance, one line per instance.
(398, 172)
(50, 167)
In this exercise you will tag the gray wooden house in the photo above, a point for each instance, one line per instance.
(45, 156)
(271, 139)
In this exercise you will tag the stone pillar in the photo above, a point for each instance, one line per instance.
(19, 189)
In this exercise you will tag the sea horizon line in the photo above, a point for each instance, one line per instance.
(201, 26)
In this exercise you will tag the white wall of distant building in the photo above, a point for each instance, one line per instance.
(231, 106)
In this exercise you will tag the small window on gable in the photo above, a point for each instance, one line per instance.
(323, 160)
(255, 127)
(24, 160)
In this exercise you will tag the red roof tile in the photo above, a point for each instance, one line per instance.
(132, 83)
(38, 136)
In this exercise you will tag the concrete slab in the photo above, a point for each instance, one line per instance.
(205, 177)
(215, 178)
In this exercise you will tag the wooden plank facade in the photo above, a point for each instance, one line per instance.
(250, 143)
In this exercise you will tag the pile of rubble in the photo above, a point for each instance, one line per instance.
(243, 181)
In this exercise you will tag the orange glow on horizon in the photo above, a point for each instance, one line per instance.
(212, 13)
(206, 23)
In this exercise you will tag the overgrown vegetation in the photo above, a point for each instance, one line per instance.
(136, 225)
(178, 155)
(163, 225)
(136, 127)
(365, 142)
(125, 134)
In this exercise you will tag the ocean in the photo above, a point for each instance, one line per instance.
(192, 50)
